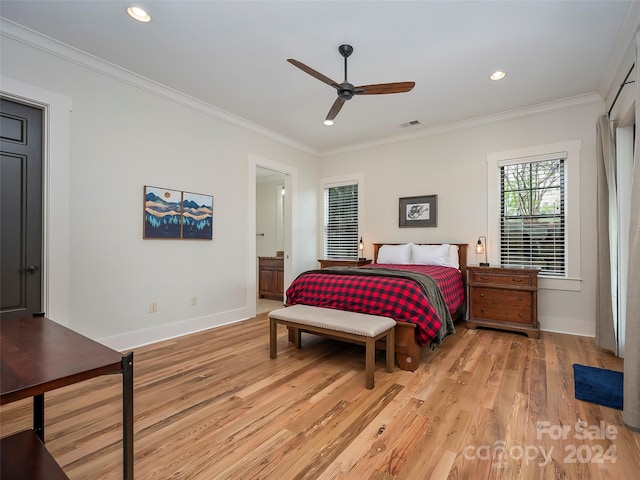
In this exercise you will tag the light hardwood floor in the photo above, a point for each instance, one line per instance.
(212, 405)
(266, 305)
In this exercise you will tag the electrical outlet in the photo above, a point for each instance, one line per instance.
(194, 300)
(153, 307)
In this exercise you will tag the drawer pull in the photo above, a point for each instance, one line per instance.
(517, 280)
(482, 295)
(521, 315)
(484, 278)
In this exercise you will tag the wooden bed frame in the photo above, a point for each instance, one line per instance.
(406, 347)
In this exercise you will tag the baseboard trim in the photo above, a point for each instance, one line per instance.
(567, 326)
(138, 338)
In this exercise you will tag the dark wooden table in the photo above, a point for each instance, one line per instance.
(39, 355)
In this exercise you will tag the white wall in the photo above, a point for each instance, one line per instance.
(453, 166)
(122, 137)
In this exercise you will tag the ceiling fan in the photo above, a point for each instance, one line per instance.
(346, 90)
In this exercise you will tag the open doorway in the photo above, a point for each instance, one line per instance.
(271, 230)
(270, 196)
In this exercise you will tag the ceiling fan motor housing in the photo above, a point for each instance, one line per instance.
(346, 91)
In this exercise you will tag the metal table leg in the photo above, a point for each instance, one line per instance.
(38, 416)
(127, 415)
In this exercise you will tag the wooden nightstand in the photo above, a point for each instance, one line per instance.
(504, 298)
(344, 262)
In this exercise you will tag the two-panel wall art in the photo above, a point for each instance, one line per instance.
(173, 214)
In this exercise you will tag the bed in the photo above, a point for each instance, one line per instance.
(421, 286)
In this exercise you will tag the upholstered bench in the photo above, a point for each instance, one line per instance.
(351, 327)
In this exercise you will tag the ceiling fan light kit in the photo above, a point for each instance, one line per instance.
(345, 90)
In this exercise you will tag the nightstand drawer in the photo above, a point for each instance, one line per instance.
(501, 279)
(502, 305)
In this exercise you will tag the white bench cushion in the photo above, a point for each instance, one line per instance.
(338, 320)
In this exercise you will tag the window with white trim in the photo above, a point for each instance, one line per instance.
(341, 220)
(532, 214)
(533, 211)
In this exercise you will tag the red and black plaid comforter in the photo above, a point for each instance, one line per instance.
(399, 298)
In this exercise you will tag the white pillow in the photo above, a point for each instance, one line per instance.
(431, 255)
(395, 254)
(454, 257)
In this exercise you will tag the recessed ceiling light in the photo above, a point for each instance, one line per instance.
(139, 14)
(497, 75)
(328, 122)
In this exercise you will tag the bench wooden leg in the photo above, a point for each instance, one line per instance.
(391, 342)
(370, 362)
(273, 338)
(295, 336)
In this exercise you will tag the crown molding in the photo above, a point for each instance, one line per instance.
(47, 44)
(541, 108)
(42, 42)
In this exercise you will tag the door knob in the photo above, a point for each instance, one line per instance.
(31, 269)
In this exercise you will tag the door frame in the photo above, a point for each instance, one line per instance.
(290, 238)
(55, 191)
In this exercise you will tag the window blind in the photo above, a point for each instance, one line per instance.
(341, 221)
(532, 215)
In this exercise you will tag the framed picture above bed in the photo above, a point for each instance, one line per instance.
(420, 211)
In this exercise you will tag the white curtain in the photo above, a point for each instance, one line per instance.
(631, 412)
(606, 334)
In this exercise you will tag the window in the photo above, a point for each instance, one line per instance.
(532, 215)
(533, 211)
(341, 220)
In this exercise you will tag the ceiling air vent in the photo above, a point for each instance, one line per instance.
(412, 123)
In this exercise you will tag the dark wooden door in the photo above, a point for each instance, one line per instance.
(20, 209)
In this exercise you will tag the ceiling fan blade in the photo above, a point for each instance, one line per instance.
(335, 108)
(382, 88)
(313, 73)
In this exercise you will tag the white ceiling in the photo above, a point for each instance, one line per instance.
(232, 55)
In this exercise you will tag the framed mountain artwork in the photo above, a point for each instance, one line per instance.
(173, 214)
